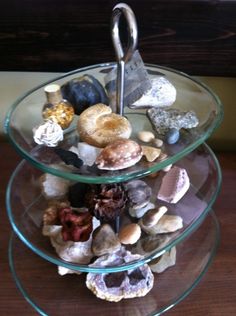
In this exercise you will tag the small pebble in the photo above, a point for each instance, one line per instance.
(157, 142)
(146, 136)
(151, 153)
(129, 234)
(172, 136)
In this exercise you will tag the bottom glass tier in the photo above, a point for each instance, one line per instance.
(51, 294)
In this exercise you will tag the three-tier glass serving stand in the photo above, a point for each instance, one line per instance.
(195, 243)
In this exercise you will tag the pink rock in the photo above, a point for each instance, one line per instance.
(174, 185)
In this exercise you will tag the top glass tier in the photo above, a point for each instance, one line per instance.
(26, 113)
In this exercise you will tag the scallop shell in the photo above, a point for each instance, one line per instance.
(121, 154)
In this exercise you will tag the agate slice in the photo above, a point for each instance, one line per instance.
(114, 287)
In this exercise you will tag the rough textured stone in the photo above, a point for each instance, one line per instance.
(163, 120)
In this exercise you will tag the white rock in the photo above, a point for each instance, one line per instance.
(63, 271)
(162, 94)
(76, 252)
(54, 187)
(88, 153)
(146, 136)
(140, 211)
(49, 134)
(168, 259)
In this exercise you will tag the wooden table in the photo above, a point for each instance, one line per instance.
(214, 296)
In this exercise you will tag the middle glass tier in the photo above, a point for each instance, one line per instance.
(191, 95)
(26, 206)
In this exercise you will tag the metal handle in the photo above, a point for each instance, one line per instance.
(123, 57)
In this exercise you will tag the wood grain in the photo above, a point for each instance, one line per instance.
(197, 37)
(214, 296)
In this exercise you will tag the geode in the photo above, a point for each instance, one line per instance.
(163, 120)
(116, 286)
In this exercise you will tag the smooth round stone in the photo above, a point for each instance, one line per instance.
(157, 142)
(172, 136)
(129, 234)
(146, 136)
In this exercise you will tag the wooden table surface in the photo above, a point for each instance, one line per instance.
(216, 293)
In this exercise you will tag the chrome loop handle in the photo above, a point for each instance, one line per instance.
(123, 57)
(119, 9)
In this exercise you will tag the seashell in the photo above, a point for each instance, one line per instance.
(98, 126)
(139, 193)
(83, 92)
(146, 136)
(165, 119)
(151, 153)
(174, 185)
(49, 134)
(166, 224)
(153, 216)
(161, 94)
(129, 234)
(105, 240)
(114, 287)
(139, 212)
(168, 259)
(120, 154)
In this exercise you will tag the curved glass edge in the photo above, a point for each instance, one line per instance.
(128, 266)
(109, 179)
(160, 312)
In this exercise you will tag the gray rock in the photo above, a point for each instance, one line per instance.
(172, 136)
(164, 120)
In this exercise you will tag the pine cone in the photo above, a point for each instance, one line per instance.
(106, 201)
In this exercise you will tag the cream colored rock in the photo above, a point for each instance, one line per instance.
(167, 168)
(105, 240)
(129, 234)
(167, 224)
(146, 136)
(151, 153)
(153, 216)
(157, 142)
(168, 259)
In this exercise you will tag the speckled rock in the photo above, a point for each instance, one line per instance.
(163, 120)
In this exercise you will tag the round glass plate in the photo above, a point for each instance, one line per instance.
(26, 205)
(68, 295)
(193, 95)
